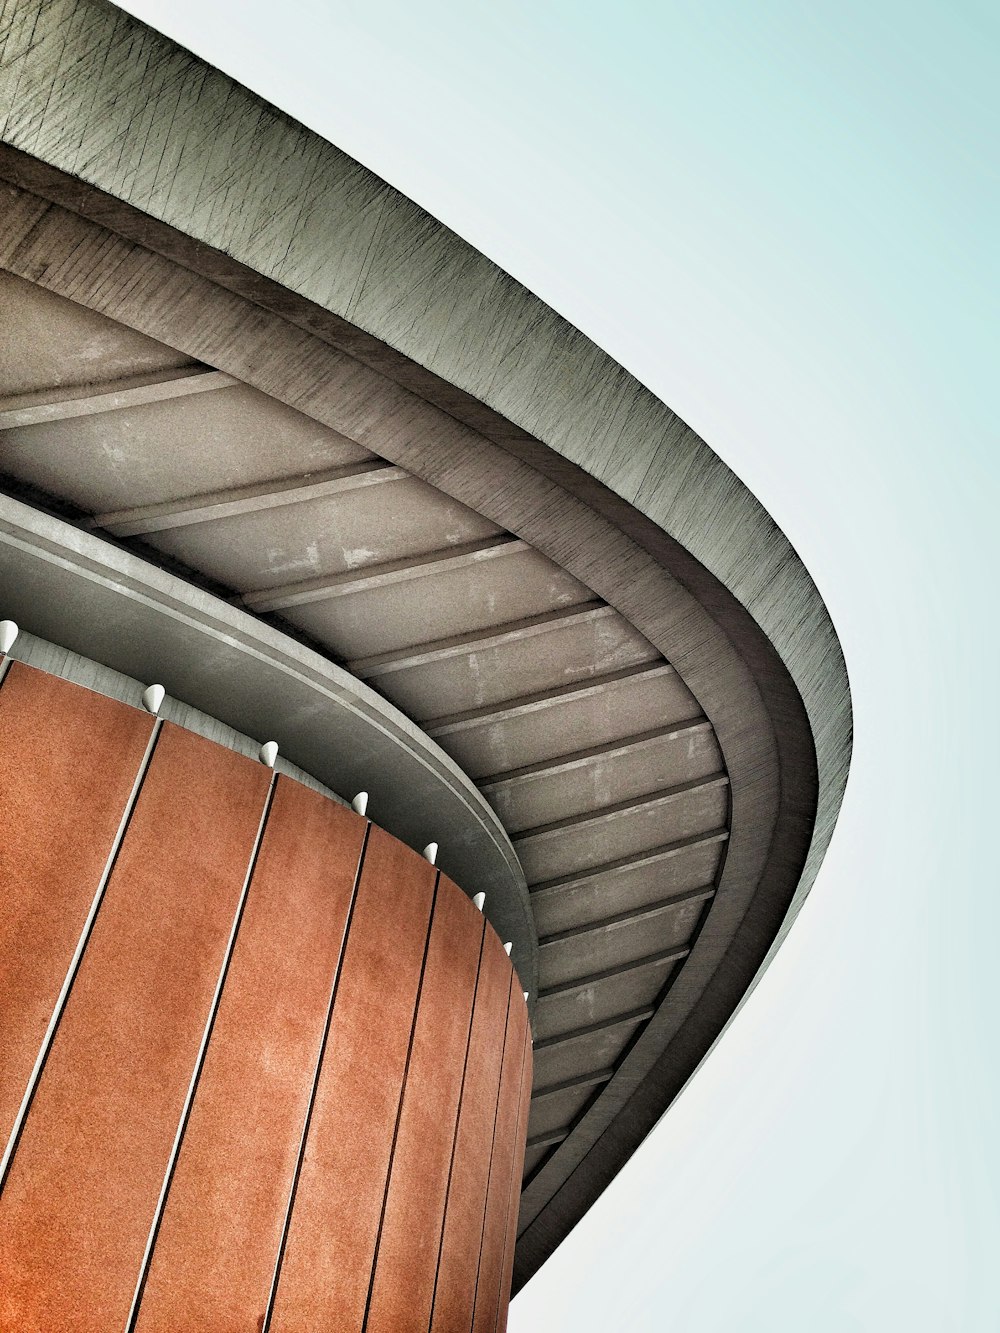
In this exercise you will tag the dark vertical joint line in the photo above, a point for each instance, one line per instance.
(458, 1121)
(76, 961)
(300, 1156)
(493, 1144)
(514, 1188)
(199, 1064)
(5, 667)
(399, 1106)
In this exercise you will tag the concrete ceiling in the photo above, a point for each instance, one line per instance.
(310, 398)
(595, 755)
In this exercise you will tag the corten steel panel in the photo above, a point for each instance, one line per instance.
(489, 1298)
(70, 758)
(84, 1183)
(458, 1263)
(510, 1241)
(327, 1262)
(403, 1278)
(214, 1256)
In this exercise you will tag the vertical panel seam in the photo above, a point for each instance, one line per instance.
(76, 960)
(307, 1119)
(199, 1064)
(402, 1098)
(458, 1121)
(493, 1144)
(513, 1189)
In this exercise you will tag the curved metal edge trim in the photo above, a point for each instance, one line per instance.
(75, 590)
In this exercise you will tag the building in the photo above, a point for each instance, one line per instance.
(276, 441)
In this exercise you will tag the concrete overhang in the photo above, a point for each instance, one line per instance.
(565, 588)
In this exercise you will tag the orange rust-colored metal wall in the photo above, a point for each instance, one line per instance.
(262, 1067)
(60, 809)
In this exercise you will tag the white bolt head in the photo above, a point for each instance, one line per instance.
(525, 994)
(8, 635)
(479, 900)
(269, 753)
(431, 853)
(152, 697)
(507, 947)
(360, 803)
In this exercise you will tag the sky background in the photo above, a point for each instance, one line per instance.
(782, 217)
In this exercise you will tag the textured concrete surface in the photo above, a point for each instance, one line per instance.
(261, 206)
(94, 93)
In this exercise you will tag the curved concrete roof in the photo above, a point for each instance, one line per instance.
(192, 212)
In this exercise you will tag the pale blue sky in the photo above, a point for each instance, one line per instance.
(782, 218)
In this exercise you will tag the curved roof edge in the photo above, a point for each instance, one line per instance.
(289, 205)
(153, 128)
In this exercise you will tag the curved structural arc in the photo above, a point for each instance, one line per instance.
(174, 192)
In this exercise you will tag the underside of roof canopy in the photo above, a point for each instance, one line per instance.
(233, 355)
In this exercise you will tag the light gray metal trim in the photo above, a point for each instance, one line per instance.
(547, 1140)
(77, 590)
